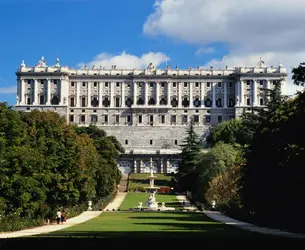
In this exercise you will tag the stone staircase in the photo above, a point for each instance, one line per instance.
(124, 183)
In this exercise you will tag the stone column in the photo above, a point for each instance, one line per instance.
(167, 166)
(242, 93)
(123, 94)
(21, 92)
(168, 93)
(134, 87)
(35, 100)
(100, 94)
(267, 84)
(89, 95)
(146, 86)
(179, 84)
(202, 94)
(18, 91)
(111, 94)
(157, 93)
(77, 96)
(225, 98)
(191, 95)
(283, 86)
(214, 94)
(63, 92)
(48, 102)
(254, 93)
(135, 166)
(237, 93)
(161, 165)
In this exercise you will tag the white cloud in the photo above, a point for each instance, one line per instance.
(205, 50)
(8, 90)
(124, 60)
(273, 29)
(260, 25)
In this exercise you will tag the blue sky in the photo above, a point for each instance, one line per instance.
(129, 33)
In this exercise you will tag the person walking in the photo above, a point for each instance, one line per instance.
(58, 216)
(63, 217)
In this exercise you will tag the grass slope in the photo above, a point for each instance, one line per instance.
(140, 181)
(132, 200)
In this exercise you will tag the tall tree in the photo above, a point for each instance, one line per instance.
(189, 157)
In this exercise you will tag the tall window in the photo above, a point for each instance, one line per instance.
(93, 118)
(219, 118)
(106, 118)
(208, 119)
(117, 118)
(41, 99)
(83, 118)
(94, 102)
(219, 102)
(261, 101)
(140, 119)
(117, 101)
(151, 120)
(174, 119)
(72, 102)
(83, 101)
(71, 118)
(162, 119)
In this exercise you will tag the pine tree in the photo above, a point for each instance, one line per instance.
(190, 148)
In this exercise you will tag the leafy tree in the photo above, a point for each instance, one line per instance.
(213, 163)
(108, 174)
(224, 188)
(230, 132)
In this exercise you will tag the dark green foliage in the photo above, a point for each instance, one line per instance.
(190, 149)
(231, 132)
(46, 164)
(274, 176)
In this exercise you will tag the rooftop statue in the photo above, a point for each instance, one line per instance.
(42, 62)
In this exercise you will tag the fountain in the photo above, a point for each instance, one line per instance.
(151, 203)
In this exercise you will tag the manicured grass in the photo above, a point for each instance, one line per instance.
(129, 230)
(132, 200)
(140, 181)
(154, 227)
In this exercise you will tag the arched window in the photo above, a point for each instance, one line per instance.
(140, 101)
(197, 102)
(94, 101)
(163, 101)
(174, 102)
(55, 100)
(151, 101)
(106, 102)
(185, 102)
(128, 102)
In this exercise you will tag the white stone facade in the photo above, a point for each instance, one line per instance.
(147, 110)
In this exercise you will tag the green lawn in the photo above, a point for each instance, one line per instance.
(132, 200)
(153, 227)
(140, 181)
(130, 230)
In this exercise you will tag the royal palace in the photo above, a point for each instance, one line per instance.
(147, 110)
